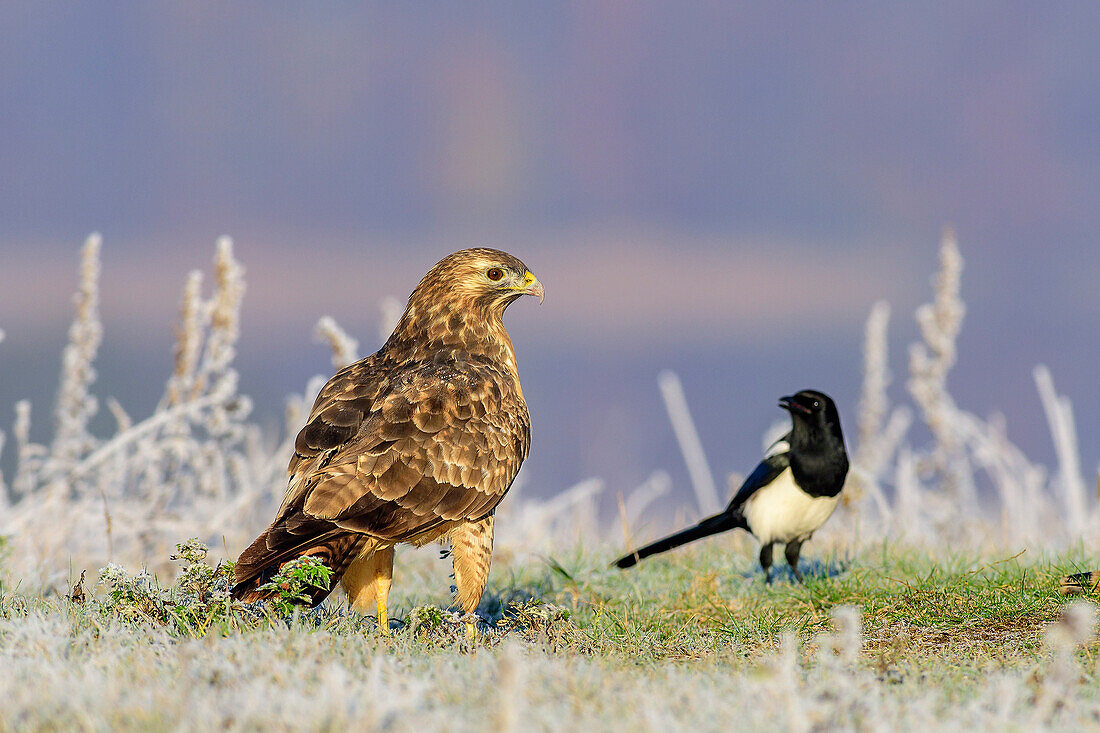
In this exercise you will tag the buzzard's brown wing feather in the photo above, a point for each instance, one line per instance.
(395, 451)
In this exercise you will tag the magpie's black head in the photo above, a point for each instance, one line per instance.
(814, 417)
(818, 458)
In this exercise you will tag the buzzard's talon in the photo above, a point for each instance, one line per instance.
(471, 620)
(383, 618)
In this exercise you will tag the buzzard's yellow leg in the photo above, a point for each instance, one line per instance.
(382, 592)
(472, 551)
(367, 582)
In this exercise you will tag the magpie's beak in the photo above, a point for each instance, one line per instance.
(790, 405)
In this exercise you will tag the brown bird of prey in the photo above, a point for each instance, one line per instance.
(417, 442)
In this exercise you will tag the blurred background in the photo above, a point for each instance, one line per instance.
(723, 191)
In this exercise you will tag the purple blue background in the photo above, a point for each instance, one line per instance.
(719, 189)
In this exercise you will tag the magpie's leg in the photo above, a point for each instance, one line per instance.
(766, 561)
(792, 552)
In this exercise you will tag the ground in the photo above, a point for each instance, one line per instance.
(692, 640)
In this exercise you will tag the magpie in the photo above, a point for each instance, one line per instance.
(789, 495)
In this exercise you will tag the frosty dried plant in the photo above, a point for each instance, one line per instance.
(188, 341)
(391, 309)
(874, 402)
(702, 480)
(345, 349)
(878, 439)
(531, 526)
(75, 404)
(929, 363)
(168, 475)
(198, 466)
(1069, 481)
(932, 492)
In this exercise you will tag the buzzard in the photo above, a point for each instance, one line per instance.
(417, 442)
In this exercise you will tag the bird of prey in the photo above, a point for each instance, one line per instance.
(417, 442)
(789, 495)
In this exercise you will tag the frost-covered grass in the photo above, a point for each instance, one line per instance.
(887, 638)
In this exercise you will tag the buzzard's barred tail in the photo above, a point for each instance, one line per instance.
(275, 547)
(707, 527)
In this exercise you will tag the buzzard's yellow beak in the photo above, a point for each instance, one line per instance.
(531, 286)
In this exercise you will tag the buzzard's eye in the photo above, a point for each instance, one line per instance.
(495, 274)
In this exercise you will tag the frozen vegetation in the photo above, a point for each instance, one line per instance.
(891, 630)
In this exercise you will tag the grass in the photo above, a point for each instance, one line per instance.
(926, 613)
(687, 640)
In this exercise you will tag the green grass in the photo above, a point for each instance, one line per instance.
(918, 610)
(675, 637)
(922, 613)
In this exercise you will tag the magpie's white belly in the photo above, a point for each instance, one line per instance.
(782, 512)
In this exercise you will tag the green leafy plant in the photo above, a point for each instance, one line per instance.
(291, 585)
(198, 599)
(429, 620)
(200, 595)
(132, 598)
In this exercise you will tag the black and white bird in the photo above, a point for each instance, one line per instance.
(789, 495)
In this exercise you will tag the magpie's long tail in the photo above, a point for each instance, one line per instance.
(711, 525)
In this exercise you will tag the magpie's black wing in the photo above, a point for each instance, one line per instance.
(775, 462)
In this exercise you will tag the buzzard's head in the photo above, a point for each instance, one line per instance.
(460, 302)
(481, 279)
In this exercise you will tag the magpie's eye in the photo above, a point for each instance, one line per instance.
(495, 274)
(817, 404)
